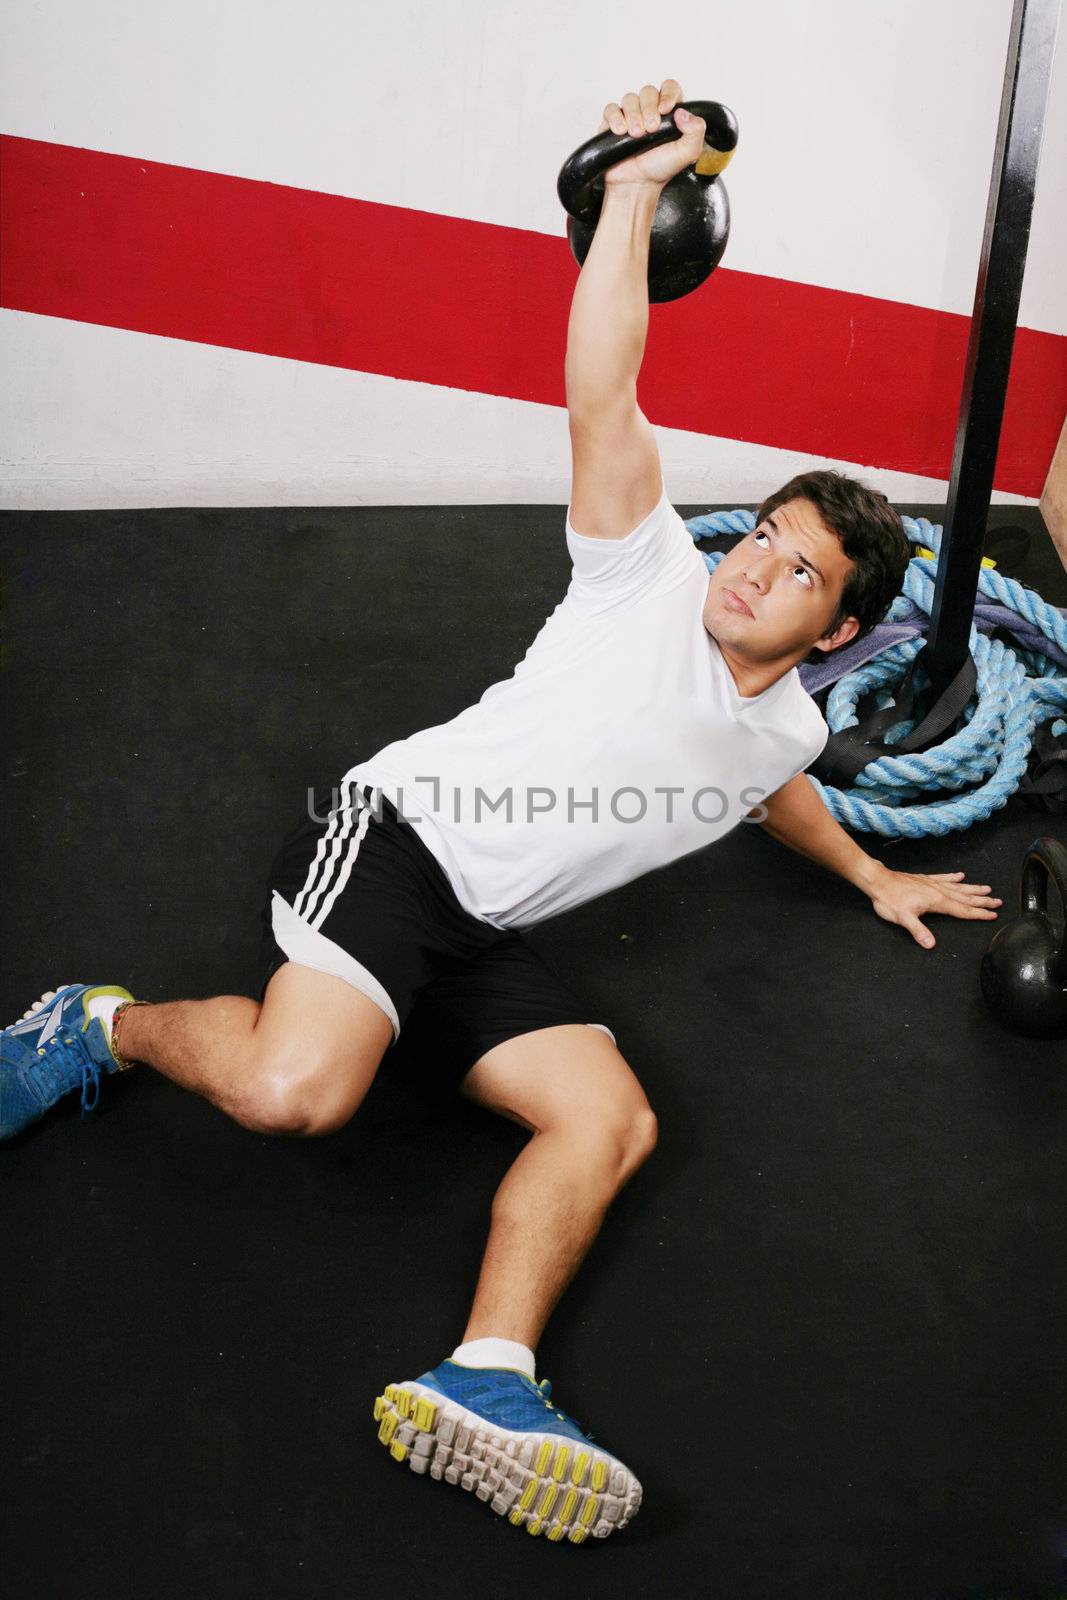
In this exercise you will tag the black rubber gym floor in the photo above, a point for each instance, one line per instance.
(824, 1325)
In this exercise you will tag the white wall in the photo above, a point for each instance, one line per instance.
(846, 108)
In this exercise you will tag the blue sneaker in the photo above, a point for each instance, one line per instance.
(493, 1430)
(60, 1044)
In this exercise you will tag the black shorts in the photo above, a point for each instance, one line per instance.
(353, 890)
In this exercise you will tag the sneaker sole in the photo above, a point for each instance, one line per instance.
(539, 1481)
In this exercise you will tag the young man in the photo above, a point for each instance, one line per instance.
(654, 711)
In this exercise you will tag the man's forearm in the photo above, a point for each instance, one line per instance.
(609, 313)
(797, 817)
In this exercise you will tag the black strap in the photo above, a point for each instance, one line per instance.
(845, 754)
(1044, 783)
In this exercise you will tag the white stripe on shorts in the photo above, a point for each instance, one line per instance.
(329, 852)
(348, 860)
(301, 901)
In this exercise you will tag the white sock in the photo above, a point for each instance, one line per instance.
(495, 1353)
(103, 1007)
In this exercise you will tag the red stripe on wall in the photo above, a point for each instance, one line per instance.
(219, 260)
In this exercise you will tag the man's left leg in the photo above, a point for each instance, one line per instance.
(479, 1419)
(592, 1128)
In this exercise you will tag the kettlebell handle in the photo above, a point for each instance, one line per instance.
(1045, 863)
(578, 176)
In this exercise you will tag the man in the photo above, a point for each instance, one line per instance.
(654, 710)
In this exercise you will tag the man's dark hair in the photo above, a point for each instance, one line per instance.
(872, 537)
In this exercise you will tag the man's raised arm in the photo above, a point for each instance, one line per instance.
(609, 313)
(617, 479)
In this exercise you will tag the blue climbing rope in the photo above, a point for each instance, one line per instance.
(1017, 690)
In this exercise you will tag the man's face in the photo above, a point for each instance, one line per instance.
(776, 592)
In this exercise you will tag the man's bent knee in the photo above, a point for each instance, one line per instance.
(639, 1138)
(646, 1131)
(299, 1093)
(282, 1105)
(275, 1105)
(624, 1138)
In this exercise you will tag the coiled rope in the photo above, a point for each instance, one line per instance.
(1017, 690)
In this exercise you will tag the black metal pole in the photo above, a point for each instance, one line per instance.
(1031, 44)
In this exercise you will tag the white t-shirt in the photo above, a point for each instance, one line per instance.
(621, 697)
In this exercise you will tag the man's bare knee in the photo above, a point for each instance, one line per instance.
(644, 1134)
(635, 1136)
(570, 1081)
(305, 1093)
(264, 1105)
(283, 1105)
(622, 1136)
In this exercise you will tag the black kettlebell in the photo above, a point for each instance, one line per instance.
(1024, 971)
(692, 220)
